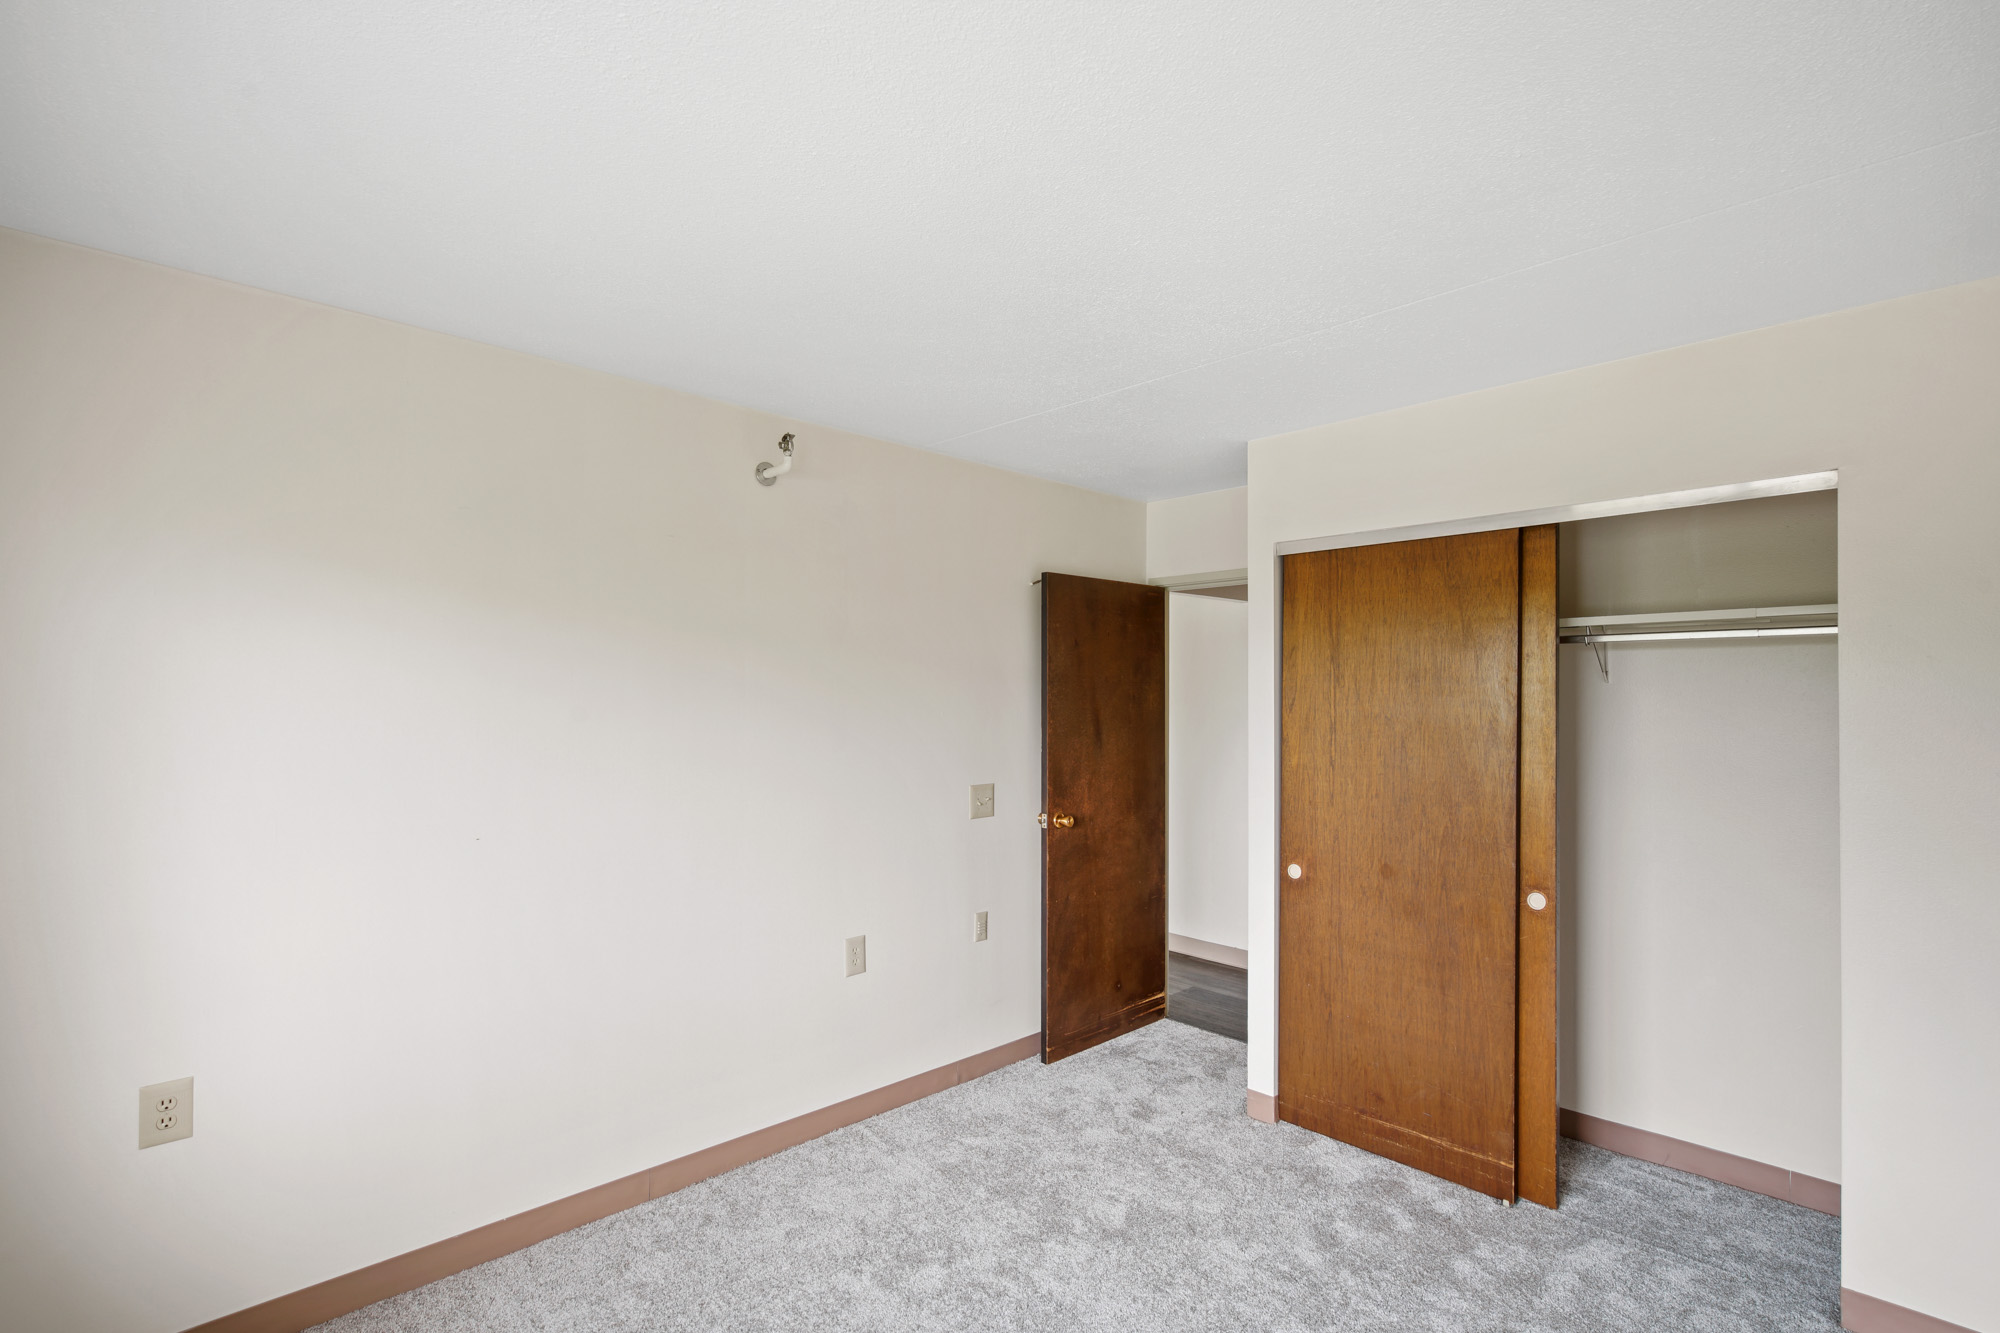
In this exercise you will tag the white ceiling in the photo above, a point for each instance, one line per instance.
(1106, 243)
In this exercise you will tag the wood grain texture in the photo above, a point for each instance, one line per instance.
(349, 1292)
(1536, 1131)
(1401, 668)
(1104, 761)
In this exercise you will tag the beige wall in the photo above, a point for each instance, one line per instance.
(466, 772)
(1700, 887)
(1778, 551)
(1903, 399)
(1186, 537)
(1196, 534)
(1205, 755)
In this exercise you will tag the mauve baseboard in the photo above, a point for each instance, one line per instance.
(1757, 1177)
(406, 1272)
(1862, 1313)
(1261, 1106)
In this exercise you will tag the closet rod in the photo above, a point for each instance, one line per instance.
(1824, 611)
(1701, 634)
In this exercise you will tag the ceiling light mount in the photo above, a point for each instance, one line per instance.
(768, 473)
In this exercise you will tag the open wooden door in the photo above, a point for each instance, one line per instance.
(1104, 803)
(1417, 844)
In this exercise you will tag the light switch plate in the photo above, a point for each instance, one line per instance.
(857, 955)
(978, 927)
(166, 1112)
(982, 800)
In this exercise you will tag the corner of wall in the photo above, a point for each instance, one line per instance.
(1197, 534)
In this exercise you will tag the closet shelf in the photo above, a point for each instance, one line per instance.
(1736, 623)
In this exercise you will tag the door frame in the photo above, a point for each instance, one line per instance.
(1263, 988)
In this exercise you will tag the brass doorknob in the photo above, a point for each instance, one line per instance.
(1058, 821)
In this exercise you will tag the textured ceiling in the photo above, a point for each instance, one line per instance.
(1106, 243)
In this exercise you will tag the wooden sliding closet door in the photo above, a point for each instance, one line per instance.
(1401, 808)
(1535, 1129)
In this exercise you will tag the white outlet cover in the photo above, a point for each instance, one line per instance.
(857, 955)
(978, 927)
(166, 1112)
(982, 800)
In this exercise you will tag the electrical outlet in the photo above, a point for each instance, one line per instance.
(857, 955)
(978, 927)
(166, 1112)
(982, 800)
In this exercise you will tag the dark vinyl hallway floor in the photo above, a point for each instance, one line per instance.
(1211, 996)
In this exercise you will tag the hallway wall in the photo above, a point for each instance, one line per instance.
(1207, 649)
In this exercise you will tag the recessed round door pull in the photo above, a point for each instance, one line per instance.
(1293, 870)
(1537, 901)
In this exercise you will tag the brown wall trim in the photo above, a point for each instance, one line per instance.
(406, 1272)
(1262, 1106)
(1871, 1314)
(1757, 1177)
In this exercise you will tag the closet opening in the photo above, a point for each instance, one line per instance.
(1698, 809)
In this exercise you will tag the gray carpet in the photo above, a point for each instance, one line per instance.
(1124, 1188)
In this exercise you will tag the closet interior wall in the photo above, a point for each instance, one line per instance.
(1699, 837)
